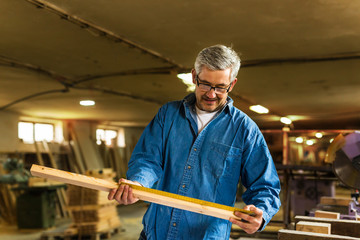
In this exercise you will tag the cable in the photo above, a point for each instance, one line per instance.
(32, 96)
(123, 94)
(165, 70)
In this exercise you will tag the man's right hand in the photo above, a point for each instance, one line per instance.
(123, 194)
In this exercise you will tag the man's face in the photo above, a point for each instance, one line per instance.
(209, 100)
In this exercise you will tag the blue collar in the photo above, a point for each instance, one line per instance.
(190, 100)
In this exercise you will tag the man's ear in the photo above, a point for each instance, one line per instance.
(233, 84)
(193, 73)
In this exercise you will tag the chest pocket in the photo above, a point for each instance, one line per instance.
(223, 160)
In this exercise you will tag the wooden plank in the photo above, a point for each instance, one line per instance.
(145, 194)
(79, 159)
(60, 207)
(7, 204)
(335, 201)
(50, 154)
(104, 173)
(59, 192)
(73, 164)
(91, 157)
(73, 178)
(315, 227)
(338, 226)
(38, 154)
(84, 196)
(7, 201)
(285, 234)
(327, 214)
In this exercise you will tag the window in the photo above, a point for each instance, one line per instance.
(27, 131)
(110, 137)
(106, 136)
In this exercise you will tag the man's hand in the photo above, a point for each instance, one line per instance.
(123, 194)
(252, 223)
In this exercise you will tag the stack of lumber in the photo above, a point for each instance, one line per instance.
(92, 212)
(326, 225)
(84, 147)
(335, 201)
(84, 153)
(7, 201)
(44, 148)
(7, 204)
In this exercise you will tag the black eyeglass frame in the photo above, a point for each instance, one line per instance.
(211, 87)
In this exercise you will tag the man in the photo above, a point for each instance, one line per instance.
(201, 147)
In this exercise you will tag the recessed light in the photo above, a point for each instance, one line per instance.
(259, 109)
(87, 103)
(309, 142)
(285, 120)
(318, 135)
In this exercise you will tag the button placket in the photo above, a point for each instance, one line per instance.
(184, 184)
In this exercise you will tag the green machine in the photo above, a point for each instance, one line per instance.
(35, 208)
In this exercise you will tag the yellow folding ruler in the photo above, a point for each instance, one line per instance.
(142, 193)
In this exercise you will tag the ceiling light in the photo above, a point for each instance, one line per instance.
(187, 79)
(309, 142)
(87, 103)
(299, 140)
(259, 109)
(285, 120)
(318, 135)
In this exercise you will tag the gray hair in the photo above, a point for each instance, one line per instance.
(218, 57)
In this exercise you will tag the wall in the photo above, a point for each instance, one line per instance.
(9, 141)
(132, 135)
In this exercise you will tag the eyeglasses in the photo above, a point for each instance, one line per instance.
(207, 87)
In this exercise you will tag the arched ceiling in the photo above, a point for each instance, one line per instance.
(300, 59)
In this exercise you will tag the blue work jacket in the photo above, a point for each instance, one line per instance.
(207, 166)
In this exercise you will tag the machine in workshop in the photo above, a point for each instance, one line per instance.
(16, 173)
(35, 205)
(344, 154)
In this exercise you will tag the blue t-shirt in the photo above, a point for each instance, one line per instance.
(206, 166)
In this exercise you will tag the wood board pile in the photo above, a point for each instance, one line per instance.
(322, 228)
(7, 201)
(91, 211)
(84, 153)
(7, 204)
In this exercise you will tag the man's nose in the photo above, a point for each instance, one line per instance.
(211, 93)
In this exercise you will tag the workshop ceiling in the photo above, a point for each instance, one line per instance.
(300, 59)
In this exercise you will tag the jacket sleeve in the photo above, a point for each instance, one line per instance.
(259, 176)
(146, 162)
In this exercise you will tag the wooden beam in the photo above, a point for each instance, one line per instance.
(145, 194)
(327, 214)
(72, 178)
(315, 227)
(285, 234)
(338, 226)
(60, 192)
(335, 201)
(38, 153)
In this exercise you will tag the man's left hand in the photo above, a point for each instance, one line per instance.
(251, 223)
